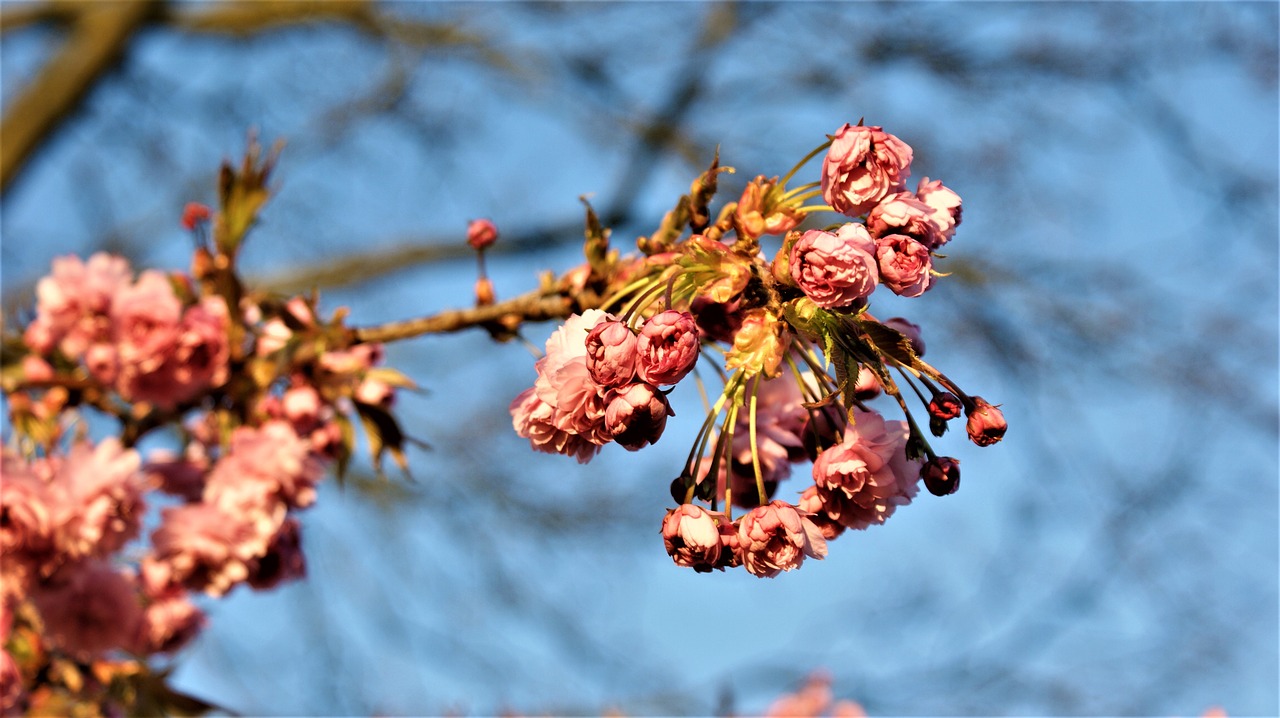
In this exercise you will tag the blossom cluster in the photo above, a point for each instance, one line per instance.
(792, 339)
(111, 552)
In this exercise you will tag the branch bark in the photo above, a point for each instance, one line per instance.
(534, 306)
(98, 38)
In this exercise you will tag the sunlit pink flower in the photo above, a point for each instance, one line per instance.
(811, 701)
(810, 504)
(945, 205)
(835, 270)
(776, 538)
(97, 494)
(692, 537)
(636, 415)
(283, 560)
(904, 265)
(667, 348)
(347, 363)
(273, 337)
(903, 213)
(89, 608)
(481, 233)
(532, 419)
(271, 456)
(200, 357)
(987, 424)
(864, 165)
(910, 330)
(168, 623)
(72, 303)
(144, 321)
(201, 547)
(26, 515)
(863, 479)
(611, 353)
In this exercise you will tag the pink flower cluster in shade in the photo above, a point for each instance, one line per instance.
(864, 174)
(599, 381)
(137, 337)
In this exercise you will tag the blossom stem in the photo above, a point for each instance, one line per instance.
(755, 454)
(804, 161)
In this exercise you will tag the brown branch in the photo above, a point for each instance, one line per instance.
(535, 306)
(15, 16)
(98, 37)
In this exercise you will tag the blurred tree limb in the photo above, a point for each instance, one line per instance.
(99, 34)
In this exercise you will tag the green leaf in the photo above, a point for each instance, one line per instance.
(888, 342)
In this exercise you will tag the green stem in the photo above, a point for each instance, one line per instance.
(805, 161)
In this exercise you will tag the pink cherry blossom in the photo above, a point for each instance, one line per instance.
(169, 622)
(10, 684)
(611, 353)
(636, 415)
(531, 418)
(26, 517)
(945, 406)
(667, 347)
(72, 303)
(144, 322)
(301, 403)
(835, 270)
(98, 498)
(692, 537)
(904, 213)
(88, 608)
(564, 412)
(716, 321)
(810, 504)
(201, 547)
(945, 205)
(904, 265)
(181, 476)
(268, 463)
(776, 538)
(863, 479)
(863, 165)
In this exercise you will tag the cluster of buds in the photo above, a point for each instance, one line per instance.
(791, 339)
(262, 401)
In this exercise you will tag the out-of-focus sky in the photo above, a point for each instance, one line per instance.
(1116, 554)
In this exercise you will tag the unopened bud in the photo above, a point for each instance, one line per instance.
(481, 233)
(986, 423)
(195, 214)
(941, 475)
(945, 406)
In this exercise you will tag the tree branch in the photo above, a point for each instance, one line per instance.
(98, 37)
(535, 306)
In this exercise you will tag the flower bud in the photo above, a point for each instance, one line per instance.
(611, 353)
(636, 415)
(941, 475)
(945, 406)
(484, 292)
(986, 423)
(194, 214)
(667, 348)
(481, 233)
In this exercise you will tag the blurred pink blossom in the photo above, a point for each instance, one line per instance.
(98, 504)
(481, 233)
(73, 301)
(201, 547)
(89, 608)
(168, 623)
